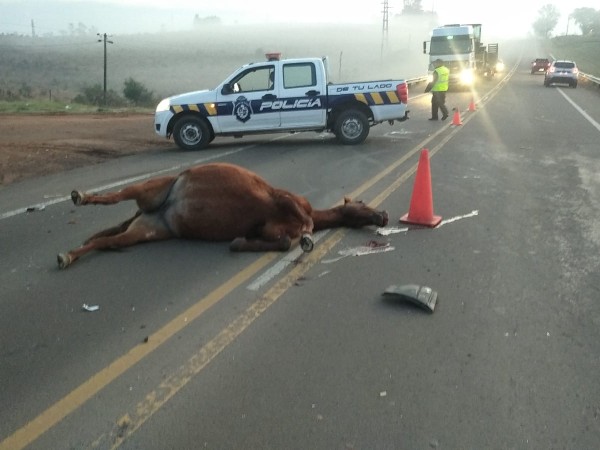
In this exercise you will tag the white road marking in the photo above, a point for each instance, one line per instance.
(581, 111)
(179, 167)
(394, 230)
(360, 251)
(289, 258)
(454, 219)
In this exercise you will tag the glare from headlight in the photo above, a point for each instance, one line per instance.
(164, 105)
(499, 66)
(466, 77)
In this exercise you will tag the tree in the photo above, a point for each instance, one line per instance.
(137, 93)
(412, 7)
(547, 21)
(200, 22)
(588, 20)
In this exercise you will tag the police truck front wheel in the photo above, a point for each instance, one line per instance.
(191, 133)
(351, 127)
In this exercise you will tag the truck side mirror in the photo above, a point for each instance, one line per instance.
(424, 46)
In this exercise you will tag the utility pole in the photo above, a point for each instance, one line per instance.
(32, 29)
(384, 30)
(104, 38)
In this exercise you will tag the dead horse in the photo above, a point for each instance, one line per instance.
(219, 202)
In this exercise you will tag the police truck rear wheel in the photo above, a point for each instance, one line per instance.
(351, 127)
(191, 133)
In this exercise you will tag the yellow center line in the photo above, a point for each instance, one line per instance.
(61, 409)
(54, 414)
(153, 401)
(76, 398)
(131, 421)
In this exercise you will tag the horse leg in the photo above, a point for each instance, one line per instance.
(141, 229)
(242, 244)
(112, 231)
(291, 206)
(149, 195)
(274, 236)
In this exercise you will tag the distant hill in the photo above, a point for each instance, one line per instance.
(169, 63)
(59, 18)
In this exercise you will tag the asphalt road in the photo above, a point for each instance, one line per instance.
(195, 347)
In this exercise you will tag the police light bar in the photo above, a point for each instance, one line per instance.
(273, 56)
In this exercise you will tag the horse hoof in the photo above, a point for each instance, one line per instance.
(64, 260)
(384, 218)
(306, 243)
(77, 197)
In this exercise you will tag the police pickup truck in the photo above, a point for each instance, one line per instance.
(276, 95)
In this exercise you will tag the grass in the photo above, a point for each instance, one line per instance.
(54, 107)
(44, 75)
(584, 50)
(43, 106)
(59, 68)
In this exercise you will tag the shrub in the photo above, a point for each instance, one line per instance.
(137, 93)
(94, 95)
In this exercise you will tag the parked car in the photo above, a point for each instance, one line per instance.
(562, 71)
(540, 65)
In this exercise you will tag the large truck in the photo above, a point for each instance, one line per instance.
(281, 95)
(461, 49)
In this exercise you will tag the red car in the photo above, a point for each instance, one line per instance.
(540, 65)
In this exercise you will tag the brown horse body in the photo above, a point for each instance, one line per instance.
(219, 202)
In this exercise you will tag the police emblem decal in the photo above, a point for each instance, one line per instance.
(242, 109)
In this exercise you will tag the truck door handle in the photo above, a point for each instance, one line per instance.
(312, 93)
(269, 97)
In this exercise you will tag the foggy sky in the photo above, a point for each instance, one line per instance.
(505, 19)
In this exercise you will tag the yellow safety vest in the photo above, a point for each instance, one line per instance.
(442, 79)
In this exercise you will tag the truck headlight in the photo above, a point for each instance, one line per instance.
(164, 105)
(466, 77)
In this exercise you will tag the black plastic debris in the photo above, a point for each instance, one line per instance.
(422, 296)
(35, 208)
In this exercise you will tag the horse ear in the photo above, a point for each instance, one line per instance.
(347, 200)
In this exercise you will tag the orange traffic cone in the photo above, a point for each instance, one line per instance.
(472, 105)
(456, 119)
(421, 202)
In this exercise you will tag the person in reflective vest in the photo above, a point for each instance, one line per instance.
(438, 88)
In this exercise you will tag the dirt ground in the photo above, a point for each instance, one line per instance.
(36, 145)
